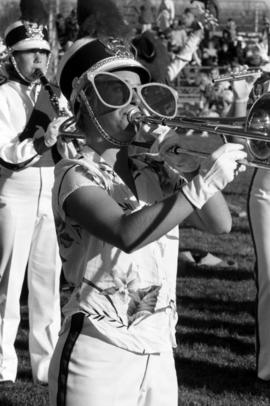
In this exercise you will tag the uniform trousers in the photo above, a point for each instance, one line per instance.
(87, 370)
(28, 241)
(259, 215)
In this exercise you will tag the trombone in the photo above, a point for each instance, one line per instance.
(253, 131)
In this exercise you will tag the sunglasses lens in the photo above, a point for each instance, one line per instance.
(112, 90)
(160, 99)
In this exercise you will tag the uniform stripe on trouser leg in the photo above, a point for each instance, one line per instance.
(74, 332)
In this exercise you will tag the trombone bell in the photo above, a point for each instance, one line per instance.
(258, 119)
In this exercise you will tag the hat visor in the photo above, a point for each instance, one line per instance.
(28, 44)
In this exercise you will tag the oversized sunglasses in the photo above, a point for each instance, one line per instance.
(114, 92)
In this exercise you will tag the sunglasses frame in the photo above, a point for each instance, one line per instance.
(90, 77)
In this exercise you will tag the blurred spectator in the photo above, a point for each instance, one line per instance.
(166, 15)
(61, 30)
(71, 27)
(205, 84)
(257, 55)
(209, 55)
(177, 37)
(224, 102)
(148, 14)
(189, 20)
(192, 25)
(232, 30)
(163, 22)
(266, 34)
(198, 7)
(225, 53)
(169, 6)
(241, 50)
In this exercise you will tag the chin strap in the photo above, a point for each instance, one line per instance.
(24, 78)
(100, 129)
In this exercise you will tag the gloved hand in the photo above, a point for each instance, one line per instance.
(215, 173)
(52, 133)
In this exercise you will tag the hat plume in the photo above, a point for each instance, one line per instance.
(33, 11)
(101, 18)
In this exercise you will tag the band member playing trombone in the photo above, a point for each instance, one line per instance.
(117, 227)
(27, 232)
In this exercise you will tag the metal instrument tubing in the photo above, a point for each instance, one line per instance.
(203, 125)
(237, 75)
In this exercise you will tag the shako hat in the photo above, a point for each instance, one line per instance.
(96, 55)
(103, 44)
(30, 31)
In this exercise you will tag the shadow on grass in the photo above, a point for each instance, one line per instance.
(235, 345)
(206, 272)
(5, 402)
(217, 306)
(231, 327)
(24, 374)
(210, 377)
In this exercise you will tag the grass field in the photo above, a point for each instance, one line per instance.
(215, 357)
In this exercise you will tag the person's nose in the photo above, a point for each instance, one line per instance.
(135, 98)
(37, 56)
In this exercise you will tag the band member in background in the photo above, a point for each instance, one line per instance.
(259, 219)
(246, 93)
(27, 231)
(117, 224)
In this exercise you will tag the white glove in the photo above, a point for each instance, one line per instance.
(52, 133)
(217, 171)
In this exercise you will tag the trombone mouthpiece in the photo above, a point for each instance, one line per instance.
(133, 116)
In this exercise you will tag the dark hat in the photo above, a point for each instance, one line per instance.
(153, 54)
(25, 35)
(101, 18)
(30, 31)
(94, 55)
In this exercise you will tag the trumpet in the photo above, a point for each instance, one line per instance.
(237, 75)
(252, 131)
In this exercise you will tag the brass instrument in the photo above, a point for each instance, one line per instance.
(236, 75)
(253, 131)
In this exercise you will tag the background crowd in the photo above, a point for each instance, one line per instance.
(219, 49)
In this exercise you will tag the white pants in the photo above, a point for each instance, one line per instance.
(87, 371)
(28, 239)
(259, 214)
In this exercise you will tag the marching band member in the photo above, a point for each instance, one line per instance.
(27, 231)
(117, 225)
(259, 220)
(246, 93)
